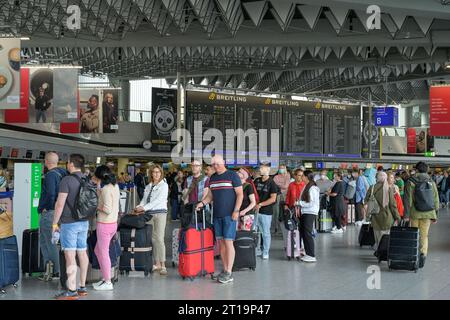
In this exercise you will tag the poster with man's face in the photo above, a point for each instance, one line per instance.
(40, 105)
(90, 111)
(9, 73)
(110, 109)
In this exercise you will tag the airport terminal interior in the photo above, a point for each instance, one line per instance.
(313, 135)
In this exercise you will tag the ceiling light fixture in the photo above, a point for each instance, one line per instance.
(25, 38)
(53, 67)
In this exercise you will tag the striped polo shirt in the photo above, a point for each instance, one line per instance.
(222, 188)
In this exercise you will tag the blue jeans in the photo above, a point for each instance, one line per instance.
(264, 223)
(41, 114)
(49, 250)
(175, 208)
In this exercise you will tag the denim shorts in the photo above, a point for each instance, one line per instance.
(74, 235)
(225, 228)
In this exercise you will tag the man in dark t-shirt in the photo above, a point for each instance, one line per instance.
(225, 192)
(267, 192)
(73, 233)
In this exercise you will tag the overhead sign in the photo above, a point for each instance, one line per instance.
(385, 116)
(440, 111)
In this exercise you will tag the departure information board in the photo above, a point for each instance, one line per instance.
(208, 111)
(342, 130)
(302, 129)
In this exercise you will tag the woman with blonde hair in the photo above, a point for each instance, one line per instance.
(154, 202)
(388, 212)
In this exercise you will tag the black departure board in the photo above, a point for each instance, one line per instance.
(210, 112)
(257, 114)
(302, 129)
(342, 130)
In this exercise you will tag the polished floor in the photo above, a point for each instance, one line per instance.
(341, 273)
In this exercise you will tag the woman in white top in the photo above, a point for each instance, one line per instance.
(309, 207)
(107, 215)
(155, 203)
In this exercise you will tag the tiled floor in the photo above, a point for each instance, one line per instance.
(341, 273)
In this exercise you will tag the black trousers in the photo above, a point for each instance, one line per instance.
(306, 233)
(359, 216)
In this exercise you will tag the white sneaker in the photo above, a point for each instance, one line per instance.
(344, 228)
(105, 286)
(337, 231)
(265, 257)
(98, 283)
(309, 259)
(334, 228)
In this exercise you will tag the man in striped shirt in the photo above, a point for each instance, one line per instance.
(226, 195)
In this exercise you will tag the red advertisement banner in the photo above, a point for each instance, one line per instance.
(411, 138)
(20, 115)
(440, 111)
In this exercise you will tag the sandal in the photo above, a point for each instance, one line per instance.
(156, 268)
(163, 271)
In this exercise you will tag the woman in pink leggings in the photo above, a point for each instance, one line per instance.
(107, 215)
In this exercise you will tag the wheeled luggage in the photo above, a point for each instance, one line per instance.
(196, 250)
(325, 223)
(293, 245)
(366, 235)
(9, 262)
(245, 248)
(136, 250)
(403, 252)
(383, 247)
(350, 214)
(32, 261)
(175, 246)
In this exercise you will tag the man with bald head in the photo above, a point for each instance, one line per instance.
(46, 209)
(225, 192)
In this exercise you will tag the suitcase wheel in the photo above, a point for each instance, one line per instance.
(15, 285)
(253, 269)
(146, 273)
(298, 258)
(2, 291)
(191, 278)
(289, 258)
(173, 264)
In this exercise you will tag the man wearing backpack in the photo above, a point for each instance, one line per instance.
(46, 209)
(422, 201)
(360, 195)
(73, 231)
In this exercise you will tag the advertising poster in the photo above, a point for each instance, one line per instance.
(164, 119)
(21, 115)
(419, 140)
(65, 104)
(9, 73)
(40, 106)
(110, 110)
(90, 111)
(440, 110)
(374, 136)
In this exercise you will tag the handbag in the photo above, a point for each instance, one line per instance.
(372, 205)
(134, 221)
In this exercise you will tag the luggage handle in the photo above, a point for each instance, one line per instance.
(196, 219)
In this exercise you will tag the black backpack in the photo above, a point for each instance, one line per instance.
(423, 195)
(86, 201)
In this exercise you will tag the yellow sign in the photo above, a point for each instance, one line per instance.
(212, 96)
(268, 101)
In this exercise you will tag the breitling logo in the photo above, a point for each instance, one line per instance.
(212, 96)
(317, 105)
(268, 101)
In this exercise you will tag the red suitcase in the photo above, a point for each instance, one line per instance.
(196, 251)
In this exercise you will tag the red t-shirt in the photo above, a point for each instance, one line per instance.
(293, 193)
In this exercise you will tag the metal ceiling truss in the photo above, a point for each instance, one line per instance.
(306, 46)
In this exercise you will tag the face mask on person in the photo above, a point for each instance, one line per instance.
(282, 171)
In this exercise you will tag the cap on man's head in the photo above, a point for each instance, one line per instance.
(302, 168)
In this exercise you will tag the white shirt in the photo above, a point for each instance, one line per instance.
(158, 197)
(313, 206)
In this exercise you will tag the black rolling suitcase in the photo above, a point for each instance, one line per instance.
(383, 248)
(366, 235)
(403, 253)
(9, 262)
(136, 247)
(32, 260)
(245, 247)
